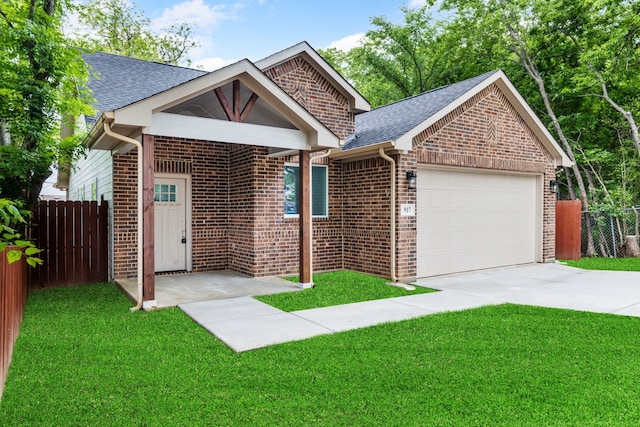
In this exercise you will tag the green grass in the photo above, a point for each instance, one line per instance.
(83, 359)
(336, 288)
(621, 264)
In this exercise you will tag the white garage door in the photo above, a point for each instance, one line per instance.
(469, 220)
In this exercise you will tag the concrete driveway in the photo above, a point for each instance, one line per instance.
(549, 285)
(246, 324)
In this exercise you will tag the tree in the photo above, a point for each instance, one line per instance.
(42, 81)
(395, 61)
(605, 34)
(117, 26)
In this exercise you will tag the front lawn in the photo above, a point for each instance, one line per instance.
(83, 359)
(621, 264)
(336, 288)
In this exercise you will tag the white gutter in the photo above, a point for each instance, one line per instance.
(322, 156)
(393, 212)
(138, 145)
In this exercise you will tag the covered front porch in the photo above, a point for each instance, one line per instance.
(174, 289)
(249, 125)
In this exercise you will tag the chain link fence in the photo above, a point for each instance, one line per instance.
(609, 231)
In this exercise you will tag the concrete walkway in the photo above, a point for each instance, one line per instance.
(245, 324)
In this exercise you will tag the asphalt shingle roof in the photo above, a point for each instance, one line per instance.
(390, 122)
(117, 81)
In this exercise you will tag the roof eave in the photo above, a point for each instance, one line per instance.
(361, 152)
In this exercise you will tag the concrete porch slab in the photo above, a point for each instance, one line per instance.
(171, 290)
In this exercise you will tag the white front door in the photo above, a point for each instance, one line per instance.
(170, 205)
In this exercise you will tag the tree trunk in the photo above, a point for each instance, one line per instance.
(631, 246)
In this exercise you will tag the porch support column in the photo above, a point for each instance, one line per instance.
(148, 257)
(304, 211)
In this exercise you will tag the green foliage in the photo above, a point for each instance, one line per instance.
(83, 359)
(42, 80)
(120, 27)
(335, 288)
(13, 217)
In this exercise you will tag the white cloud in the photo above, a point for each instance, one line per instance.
(211, 64)
(195, 12)
(347, 43)
(416, 3)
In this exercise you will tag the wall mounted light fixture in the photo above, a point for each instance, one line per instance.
(411, 178)
(553, 185)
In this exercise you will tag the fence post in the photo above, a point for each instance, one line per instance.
(613, 238)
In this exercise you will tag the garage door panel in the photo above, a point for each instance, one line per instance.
(468, 220)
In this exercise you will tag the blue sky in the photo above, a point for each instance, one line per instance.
(254, 29)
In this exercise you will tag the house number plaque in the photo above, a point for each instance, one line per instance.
(408, 209)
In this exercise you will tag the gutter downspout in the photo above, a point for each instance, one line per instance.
(393, 212)
(138, 145)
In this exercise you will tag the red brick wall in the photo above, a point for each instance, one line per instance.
(405, 225)
(276, 237)
(237, 209)
(208, 164)
(125, 211)
(306, 85)
(366, 216)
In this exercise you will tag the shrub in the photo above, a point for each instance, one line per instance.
(13, 217)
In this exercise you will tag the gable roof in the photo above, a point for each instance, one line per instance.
(357, 103)
(153, 115)
(390, 122)
(117, 81)
(400, 122)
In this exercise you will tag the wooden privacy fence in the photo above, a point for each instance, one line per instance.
(13, 298)
(73, 237)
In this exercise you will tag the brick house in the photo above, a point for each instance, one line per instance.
(280, 167)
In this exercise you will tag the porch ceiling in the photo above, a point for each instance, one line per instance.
(208, 106)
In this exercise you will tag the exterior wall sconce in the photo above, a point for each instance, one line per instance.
(411, 178)
(553, 185)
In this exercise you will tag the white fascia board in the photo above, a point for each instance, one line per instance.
(357, 102)
(179, 126)
(405, 142)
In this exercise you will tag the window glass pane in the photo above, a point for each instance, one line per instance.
(164, 197)
(290, 187)
(319, 186)
(172, 197)
(164, 188)
(319, 191)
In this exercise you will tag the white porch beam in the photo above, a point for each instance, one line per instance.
(180, 126)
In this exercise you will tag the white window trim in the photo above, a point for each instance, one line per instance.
(326, 196)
